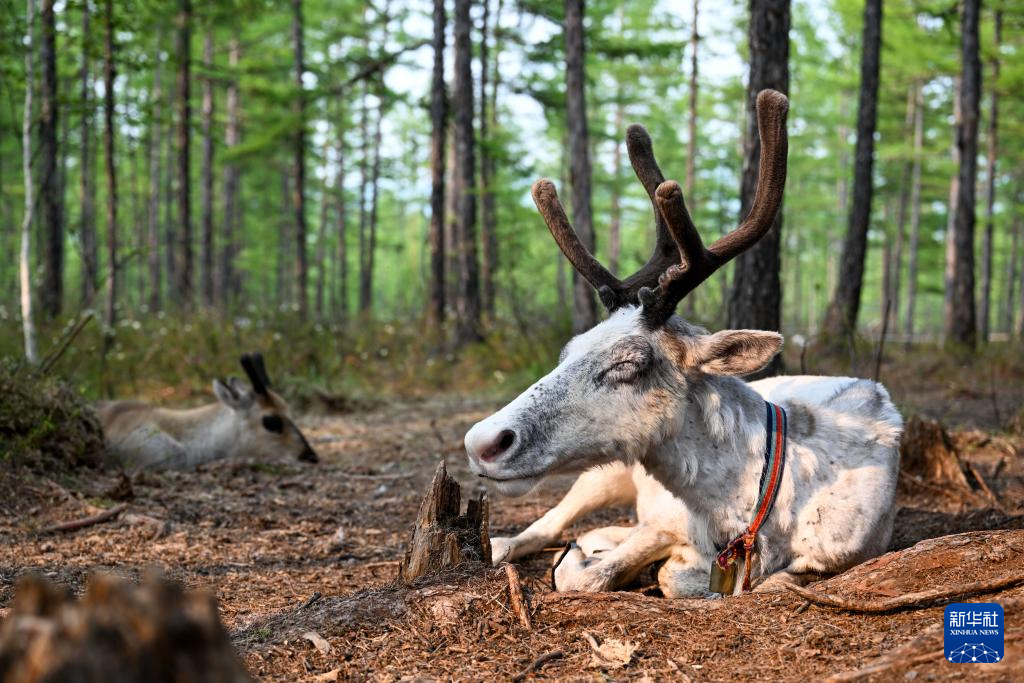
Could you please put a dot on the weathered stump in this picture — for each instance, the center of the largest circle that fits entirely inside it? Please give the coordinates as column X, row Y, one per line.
column 929, row 457
column 442, row 537
column 117, row 633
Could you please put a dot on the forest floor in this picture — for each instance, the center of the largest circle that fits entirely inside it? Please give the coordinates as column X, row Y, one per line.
column 303, row 559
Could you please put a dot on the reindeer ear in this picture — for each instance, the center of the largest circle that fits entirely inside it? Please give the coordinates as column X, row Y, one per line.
column 735, row 352
column 225, row 394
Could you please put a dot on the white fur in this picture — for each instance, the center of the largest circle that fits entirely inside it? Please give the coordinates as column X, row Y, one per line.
column 693, row 476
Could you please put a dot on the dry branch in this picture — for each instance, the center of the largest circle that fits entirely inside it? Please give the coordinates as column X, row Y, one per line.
column 910, row 600
column 516, row 597
column 536, row 664
column 76, row 524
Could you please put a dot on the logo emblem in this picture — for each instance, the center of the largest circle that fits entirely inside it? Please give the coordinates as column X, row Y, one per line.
column 974, row 633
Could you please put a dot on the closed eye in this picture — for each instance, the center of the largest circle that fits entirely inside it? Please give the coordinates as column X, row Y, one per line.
column 622, row 372
column 273, row 423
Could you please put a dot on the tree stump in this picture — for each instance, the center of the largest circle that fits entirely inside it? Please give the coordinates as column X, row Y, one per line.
column 117, row 633
column 442, row 537
column 928, row 456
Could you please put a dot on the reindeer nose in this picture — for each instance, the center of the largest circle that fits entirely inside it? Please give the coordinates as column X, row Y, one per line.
column 500, row 445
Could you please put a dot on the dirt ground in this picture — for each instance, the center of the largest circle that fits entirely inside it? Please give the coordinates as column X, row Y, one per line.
column 302, row 559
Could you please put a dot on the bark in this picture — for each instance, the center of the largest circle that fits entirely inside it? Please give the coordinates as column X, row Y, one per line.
column 468, row 329
column 138, row 221
column 1011, row 275
column 961, row 326
column 321, row 236
column 206, row 177
column 50, row 196
column 87, row 226
column 299, row 202
column 342, row 226
column 153, row 217
column 170, row 229
column 615, row 221
column 915, row 210
column 110, row 315
column 451, row 240
column 488, row 227
column 584, row 311
column 896, row 287
column 183, row 137
column 366, row 290
column 691, row 142
column 954, row 197
column 438, row 139
column 990, row 186
column 232, row 137
column 24, row 266
column 364, row 184
column 756, row 298
column 841, row 319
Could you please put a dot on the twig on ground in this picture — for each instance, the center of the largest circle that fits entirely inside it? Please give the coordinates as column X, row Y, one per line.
column 910, row 600
column 76, row 524
column 516, row 597
column 378, row 477
column 803, row 607
column 536, row 664
column 312, row 599
column 881, row 339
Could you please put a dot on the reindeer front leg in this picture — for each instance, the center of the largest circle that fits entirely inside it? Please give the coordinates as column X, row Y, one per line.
column 594, row 489
column 642, row 546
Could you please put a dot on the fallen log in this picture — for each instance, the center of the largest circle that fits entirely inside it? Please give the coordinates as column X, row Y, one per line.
column 76, row 524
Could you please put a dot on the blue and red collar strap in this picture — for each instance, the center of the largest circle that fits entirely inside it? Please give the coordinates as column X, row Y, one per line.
column 771, row 477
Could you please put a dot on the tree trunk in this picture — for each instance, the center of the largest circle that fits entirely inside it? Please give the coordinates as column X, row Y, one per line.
column 892, row 294
column 342, row 227
column 110, row 316
column 691, row 142
column 321, row 235
column 1011, row 275
column 232, row 138
column 615, row 221
column 184, row 131
column 283, row 292
column 990, row 186
column 489, row 236
column 364, row 184
column 915, row 209
column 584, row 315
column 301, row 265
column 756, row 298
column 961, row 326
column 451, row 232
column 206, row 176
column 170, row 228
column 87, row 227
column 24, row 266
column 50, row 197
column 153, row 217
column 841, row 319
column 374, row 204
column 438, row 139
column 468, row 329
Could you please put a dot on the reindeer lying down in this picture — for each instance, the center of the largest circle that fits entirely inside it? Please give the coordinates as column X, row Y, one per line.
column 247, row 420
column 657, row 403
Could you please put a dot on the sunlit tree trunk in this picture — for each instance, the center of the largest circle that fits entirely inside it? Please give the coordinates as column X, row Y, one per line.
column 320, row 256
column 50, row 195
column 990, row 185
column 915, row 210
column 301, row 264
column 184, row 132
column 438, row 140
column 584, row 306
column 108, row 150
column 691, row 142
column 961, row 326
column 232, row 137
column 87, row 188
column 153, row 213
column 170, row 229
column 1011, row 275
column 488, row 227
column 468, row 327
column 342, row 227
column 24, row 265
column 756, row 298
column 206, row 176
column 615, row 220
column 841, row 318
column 364, row 186
column 894, row 291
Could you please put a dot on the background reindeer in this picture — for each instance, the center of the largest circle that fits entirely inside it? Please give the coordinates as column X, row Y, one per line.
column 646, row 387
column 250, row 420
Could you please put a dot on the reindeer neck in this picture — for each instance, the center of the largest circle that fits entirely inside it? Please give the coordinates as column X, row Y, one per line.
column 713, row 458
column 205, row 430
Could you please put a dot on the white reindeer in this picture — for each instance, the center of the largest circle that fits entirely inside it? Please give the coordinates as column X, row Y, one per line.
column 246, row 421
column 656, row 403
